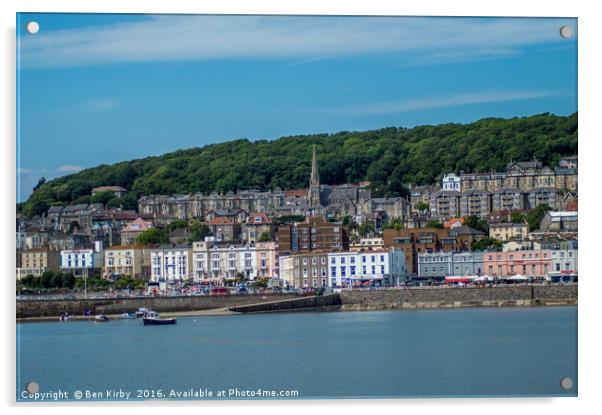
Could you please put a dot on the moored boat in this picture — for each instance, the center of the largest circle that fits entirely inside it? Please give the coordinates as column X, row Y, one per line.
column 151, row 318
column 65, row 317
column 101, row 318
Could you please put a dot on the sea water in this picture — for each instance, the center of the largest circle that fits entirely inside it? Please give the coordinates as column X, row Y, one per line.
column 381, row 354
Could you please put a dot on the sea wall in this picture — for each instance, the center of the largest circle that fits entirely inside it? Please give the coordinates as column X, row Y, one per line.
column 36, row 308
column 310, row 303
column 445, row 297
column 356, row 300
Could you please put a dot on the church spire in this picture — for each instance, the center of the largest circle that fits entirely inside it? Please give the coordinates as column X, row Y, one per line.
column 314, row 181
column 315, row 176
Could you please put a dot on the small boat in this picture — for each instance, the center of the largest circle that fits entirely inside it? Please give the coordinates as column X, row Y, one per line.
column 126, row 316
column 101, row 318
column 151, row 318
column 65, row 317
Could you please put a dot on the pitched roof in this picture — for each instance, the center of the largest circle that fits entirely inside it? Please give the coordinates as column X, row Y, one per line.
column 465, row 230
column 137, row 225
column 219, row 220
column 296, row 193
column 258, row 219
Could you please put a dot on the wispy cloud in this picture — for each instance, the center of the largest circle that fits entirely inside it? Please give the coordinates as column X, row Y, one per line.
column 69, row 168
column 302, row 39
column 461, row 56
column 103, row 104
column 441, row 102
column 91, row 105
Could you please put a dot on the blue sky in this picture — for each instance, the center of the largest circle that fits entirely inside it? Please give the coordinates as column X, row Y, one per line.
column 97, row 89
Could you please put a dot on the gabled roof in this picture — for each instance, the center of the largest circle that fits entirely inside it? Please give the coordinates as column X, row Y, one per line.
column 137, row 225
column 75, row 208
column 219, row 220
column 296, row 193
column 258, row 219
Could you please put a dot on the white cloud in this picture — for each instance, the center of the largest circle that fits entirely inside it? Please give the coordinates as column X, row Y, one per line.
column 69, row 168
column 103, row 104
column 164, row 38
column 441, row 102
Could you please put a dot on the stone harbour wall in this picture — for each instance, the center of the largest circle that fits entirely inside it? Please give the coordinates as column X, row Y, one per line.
column 35, row 308
column 446, row 297
column 310, row 303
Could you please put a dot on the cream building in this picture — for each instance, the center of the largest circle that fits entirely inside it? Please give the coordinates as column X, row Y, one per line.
column 131, row 260
column 509, row 231
column 36, row 261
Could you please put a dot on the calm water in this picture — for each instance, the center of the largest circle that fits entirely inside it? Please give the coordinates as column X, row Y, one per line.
column 486, row 351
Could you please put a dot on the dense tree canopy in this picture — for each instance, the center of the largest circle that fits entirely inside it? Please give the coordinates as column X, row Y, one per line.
column 389, row 158
column 153, row 236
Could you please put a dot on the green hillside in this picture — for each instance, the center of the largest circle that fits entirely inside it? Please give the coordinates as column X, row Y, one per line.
column 389, row 158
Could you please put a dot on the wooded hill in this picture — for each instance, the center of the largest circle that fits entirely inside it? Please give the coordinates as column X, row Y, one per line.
column 390, row 158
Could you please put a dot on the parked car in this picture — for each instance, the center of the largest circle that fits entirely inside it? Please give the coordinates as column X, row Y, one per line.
column 219, row 291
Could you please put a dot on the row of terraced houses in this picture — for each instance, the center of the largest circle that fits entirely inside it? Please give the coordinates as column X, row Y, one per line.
column 249, row 240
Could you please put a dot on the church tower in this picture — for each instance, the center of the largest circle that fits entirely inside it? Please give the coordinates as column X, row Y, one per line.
column 314, row 181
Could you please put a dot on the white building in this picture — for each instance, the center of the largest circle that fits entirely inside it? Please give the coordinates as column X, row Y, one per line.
column 564, row 259
column 81, row 262
column 451, row 182
column 286, row 266
column 348, row 268
column 216, row 262
column 171, row 263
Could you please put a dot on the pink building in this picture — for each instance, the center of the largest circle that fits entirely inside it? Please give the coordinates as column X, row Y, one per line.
column 529, row 263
